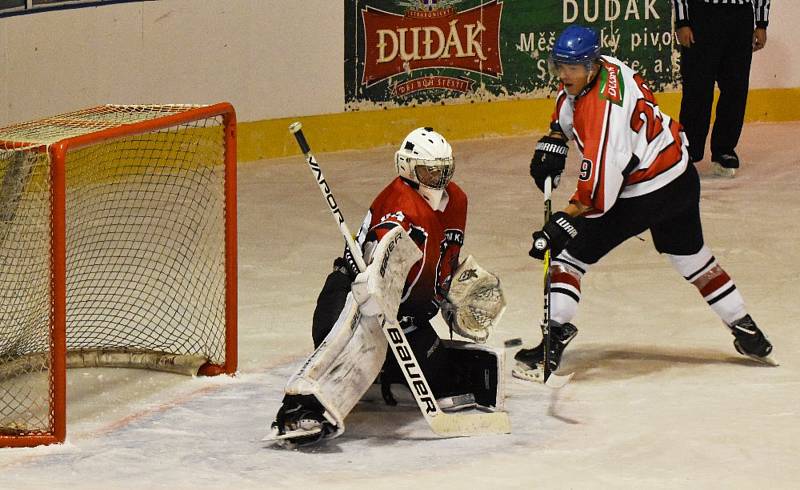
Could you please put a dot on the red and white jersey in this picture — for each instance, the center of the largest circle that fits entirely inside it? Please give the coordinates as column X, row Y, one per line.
column 439, row 235
column 629, row 147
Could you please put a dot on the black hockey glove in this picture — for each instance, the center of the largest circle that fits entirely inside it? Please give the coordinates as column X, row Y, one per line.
column 555, row 234
column 548, row 160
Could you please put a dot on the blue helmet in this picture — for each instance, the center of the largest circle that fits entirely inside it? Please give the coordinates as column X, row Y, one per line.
column 576, row 45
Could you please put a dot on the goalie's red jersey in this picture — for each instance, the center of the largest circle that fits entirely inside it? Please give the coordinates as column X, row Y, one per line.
column 438, row 234
column 629, row 147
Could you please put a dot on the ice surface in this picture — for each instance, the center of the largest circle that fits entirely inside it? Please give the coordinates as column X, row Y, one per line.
column 660, row 399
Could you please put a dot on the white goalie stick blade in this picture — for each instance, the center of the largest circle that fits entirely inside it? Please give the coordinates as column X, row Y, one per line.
column 470, row 424
column 557, row 381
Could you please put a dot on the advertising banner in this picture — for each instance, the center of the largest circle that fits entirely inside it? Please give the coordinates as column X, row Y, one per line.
column 411, row 52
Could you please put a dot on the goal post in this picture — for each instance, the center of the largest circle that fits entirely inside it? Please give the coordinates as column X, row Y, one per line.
column 117, row 249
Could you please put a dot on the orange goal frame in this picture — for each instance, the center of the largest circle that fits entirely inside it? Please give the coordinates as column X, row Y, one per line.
column 58, row 294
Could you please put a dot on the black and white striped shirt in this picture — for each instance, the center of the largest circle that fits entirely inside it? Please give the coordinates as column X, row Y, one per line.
column 683, row 17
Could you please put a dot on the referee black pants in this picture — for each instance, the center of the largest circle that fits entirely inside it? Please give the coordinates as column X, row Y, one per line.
column 722, row 53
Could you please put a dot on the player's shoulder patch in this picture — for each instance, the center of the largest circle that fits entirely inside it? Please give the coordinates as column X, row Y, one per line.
column 612, row 86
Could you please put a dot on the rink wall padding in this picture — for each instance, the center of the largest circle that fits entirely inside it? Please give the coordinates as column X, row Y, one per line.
column 369, row 129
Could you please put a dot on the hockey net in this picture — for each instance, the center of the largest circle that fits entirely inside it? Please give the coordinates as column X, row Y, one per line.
column 117, row 248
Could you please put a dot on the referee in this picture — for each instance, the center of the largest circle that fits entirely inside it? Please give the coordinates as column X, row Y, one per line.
column 718, row 38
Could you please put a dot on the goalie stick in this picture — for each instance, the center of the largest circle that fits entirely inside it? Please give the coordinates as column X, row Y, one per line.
column 550, row 379
column 442, row 424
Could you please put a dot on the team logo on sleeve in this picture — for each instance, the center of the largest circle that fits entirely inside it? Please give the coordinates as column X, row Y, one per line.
column 586, row 169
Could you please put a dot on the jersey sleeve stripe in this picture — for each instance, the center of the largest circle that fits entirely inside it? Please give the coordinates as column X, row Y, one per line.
column 598, row 188
column 578, row 140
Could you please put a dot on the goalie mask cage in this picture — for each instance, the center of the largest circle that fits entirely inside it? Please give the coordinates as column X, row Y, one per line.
column 117, row 248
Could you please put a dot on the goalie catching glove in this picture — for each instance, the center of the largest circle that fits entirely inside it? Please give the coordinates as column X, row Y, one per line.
column 475, row 301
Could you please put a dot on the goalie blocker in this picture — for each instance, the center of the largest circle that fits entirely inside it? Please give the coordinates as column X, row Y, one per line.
column 350, row 358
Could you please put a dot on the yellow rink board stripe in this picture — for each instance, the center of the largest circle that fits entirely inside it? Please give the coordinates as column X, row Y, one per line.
column 369, row 129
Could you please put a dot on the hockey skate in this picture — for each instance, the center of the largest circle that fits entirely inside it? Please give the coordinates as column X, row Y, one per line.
column 750, row 341
column 530, row 362
column 300, row 422
column 725, row 165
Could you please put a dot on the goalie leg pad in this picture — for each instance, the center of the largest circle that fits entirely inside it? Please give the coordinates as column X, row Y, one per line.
column 431, row 356
column 350, row 357
column 379, row 289
column 479, row 369
column 461, row 374
column 344, row 365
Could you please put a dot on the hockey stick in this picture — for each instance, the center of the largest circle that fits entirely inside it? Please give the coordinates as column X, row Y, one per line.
column 550, row 379
column 443, row 424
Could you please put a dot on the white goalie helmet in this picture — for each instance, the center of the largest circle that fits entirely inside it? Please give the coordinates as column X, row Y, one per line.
column 426, row 159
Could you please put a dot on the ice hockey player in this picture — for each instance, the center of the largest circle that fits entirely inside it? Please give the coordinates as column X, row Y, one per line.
column 633, row 176
column 421, row 207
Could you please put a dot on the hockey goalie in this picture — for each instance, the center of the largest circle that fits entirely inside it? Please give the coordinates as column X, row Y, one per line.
column 411, row 239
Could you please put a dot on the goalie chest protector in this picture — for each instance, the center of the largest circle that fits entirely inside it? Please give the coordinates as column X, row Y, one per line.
column 438, row 234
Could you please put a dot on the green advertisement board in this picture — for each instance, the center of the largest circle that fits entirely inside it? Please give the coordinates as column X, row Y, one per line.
column 412, row 52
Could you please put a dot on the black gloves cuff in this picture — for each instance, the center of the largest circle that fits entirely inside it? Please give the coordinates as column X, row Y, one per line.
column 554, row 235
column 563, row 222
column 345, row 266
